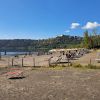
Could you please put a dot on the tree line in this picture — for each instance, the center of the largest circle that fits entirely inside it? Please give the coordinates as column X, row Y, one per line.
column 64, row 41
column 91, row 40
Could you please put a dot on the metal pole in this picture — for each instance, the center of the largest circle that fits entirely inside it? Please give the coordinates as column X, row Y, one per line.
column 5, row 53
column 0, row 55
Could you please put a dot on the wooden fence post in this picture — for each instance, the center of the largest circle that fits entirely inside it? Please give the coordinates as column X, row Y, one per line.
column 68, row 62
column 12, row 62
column 22, row 62
column 34, row 62
column 90, row 61
column 8, row 62
column 49, row 61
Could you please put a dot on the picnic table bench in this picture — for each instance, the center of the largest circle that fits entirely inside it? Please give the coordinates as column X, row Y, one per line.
column 14, row 74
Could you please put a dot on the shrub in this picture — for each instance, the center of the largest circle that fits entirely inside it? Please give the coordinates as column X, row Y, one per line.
column 77, row 66
column 63, row 65
column 92, row 66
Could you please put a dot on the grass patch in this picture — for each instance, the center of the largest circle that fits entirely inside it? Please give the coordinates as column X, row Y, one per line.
column 61, row 67
column 37, row 68
column 77, row 66
column 57, row 67
column 90, row 66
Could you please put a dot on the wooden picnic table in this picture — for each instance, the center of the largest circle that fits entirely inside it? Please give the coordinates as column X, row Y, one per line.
column 14, row 74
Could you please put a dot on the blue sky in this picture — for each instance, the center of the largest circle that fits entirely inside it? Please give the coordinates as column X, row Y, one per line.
column 35, row 19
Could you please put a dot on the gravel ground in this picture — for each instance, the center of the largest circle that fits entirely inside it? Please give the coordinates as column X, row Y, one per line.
column 47, row 84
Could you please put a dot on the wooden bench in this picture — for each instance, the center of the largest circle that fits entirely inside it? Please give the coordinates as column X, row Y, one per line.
column 14, row 74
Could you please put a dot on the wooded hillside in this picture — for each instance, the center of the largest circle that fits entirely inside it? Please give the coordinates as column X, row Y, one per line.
column 64, row 41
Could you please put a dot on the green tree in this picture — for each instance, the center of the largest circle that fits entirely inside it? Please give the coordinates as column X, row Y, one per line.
column 91, row 41
column 86, row 39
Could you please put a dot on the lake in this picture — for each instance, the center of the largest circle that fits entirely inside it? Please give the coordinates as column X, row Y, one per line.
column 16, row 53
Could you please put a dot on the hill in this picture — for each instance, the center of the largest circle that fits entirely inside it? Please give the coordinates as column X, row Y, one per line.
column 64, row 41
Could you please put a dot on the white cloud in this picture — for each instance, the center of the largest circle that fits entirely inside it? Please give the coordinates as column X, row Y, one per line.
column 91, row 25
column 74, row 25
column 67, row 31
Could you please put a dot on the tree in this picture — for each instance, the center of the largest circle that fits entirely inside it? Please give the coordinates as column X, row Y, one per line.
column 91, row 41
column 86, row 39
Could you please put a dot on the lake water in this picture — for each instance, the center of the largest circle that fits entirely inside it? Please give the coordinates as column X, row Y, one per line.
column 16, row 53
